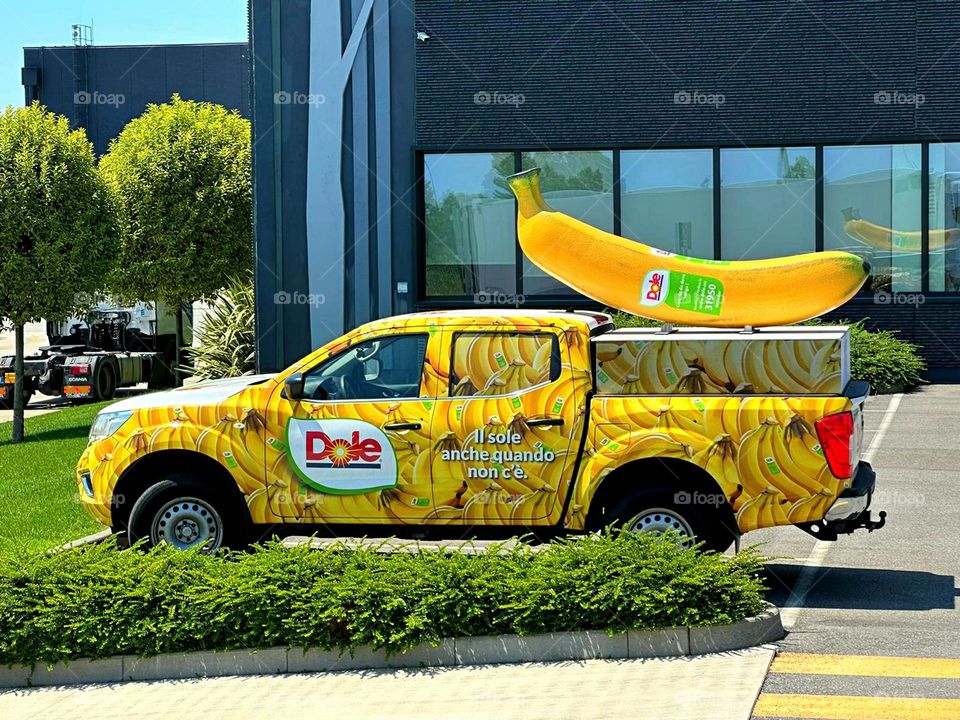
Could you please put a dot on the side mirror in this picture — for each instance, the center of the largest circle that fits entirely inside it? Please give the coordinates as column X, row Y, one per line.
column 293, row 387
column 371, row 369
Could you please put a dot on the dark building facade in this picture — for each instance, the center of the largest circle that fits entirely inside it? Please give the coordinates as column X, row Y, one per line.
column 729, row 130
column 102, row 88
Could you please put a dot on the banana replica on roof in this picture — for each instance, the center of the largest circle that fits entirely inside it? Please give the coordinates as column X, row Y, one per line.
column 673, row 288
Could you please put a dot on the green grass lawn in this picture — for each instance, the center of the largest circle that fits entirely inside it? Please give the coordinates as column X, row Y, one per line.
column 39, row 507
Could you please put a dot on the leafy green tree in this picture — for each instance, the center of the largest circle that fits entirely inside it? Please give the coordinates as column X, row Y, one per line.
column 181, row 175
column 58, row 230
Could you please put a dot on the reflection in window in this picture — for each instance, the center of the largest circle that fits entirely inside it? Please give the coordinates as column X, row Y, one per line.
column 768, row 202
column 470, row 224
column 871, row 207
column 945, row 217
column 386, row 367
column 579, row 184
column 667, row 199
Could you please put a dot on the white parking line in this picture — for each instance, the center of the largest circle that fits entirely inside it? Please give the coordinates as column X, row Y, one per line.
column 791, row 610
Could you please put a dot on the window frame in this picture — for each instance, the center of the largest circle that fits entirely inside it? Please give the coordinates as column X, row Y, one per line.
column 556, row 361
column 575, row 300
column 360, row 341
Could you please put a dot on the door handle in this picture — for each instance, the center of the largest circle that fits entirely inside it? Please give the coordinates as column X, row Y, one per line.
column 544, row 422
column 403, row 426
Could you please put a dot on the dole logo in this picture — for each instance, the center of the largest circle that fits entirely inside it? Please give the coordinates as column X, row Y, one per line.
column 324, row 451
column 341, row 456
column 655, row 287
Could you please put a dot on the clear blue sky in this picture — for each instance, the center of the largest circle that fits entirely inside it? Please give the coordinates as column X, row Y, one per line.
column 115, row 22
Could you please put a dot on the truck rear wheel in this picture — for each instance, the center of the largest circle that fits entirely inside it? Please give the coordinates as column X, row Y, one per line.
column 183, row 513
column 660, row 511
column 104, row 382
column 7, row 403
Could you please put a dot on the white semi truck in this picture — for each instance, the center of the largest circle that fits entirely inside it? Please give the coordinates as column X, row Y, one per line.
column 89, row 357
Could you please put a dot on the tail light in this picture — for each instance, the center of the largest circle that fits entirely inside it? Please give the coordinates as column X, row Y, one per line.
column 835, row 433
column 79, row 369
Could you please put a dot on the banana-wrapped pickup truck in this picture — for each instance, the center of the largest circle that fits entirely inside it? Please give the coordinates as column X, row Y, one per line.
column 487, row 422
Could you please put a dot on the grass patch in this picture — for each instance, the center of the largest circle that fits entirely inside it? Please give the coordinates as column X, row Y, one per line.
column 38, row 495
column 96, row 601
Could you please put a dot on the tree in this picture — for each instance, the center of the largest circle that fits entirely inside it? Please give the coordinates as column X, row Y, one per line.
column 58, row 231
column 181, row 176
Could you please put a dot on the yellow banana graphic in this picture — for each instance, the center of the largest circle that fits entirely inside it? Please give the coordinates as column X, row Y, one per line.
column 675, row 288
column 764, row 510
column 720, row 460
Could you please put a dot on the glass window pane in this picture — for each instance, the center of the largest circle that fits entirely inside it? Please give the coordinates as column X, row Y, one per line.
column 871, row 207
column 945, row 217
column 387, row 367
column 579, row 184
column 470, row 223
column 666, row 199
column 768, row 202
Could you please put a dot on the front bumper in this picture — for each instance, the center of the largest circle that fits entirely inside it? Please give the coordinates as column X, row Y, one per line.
column 851, row 511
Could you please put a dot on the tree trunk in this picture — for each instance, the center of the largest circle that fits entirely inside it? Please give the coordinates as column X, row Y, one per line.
column 18, row 385
column 177, row 355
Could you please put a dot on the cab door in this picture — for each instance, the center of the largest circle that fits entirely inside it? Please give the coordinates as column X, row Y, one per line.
column 354, row 439
column 506, row 429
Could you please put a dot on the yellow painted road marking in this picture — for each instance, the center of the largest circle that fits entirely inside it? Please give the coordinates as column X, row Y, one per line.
column 854, row 707
column 866, row 665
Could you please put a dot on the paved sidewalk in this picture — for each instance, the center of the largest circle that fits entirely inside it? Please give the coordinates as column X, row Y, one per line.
column 706, row 687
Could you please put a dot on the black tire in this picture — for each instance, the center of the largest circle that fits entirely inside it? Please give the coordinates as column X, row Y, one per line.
column 7, row 403
column 193, row 507
column 104, row 383
column 711, row 524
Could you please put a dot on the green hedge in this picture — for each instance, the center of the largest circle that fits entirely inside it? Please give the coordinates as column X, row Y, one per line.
column 98, row 601
column 877, row 356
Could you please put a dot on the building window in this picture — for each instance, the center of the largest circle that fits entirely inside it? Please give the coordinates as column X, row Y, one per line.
column 579, row 184
column 871, row 207
column 470, row 223
column 667, row 199
column 768, row 202
column 944, row 275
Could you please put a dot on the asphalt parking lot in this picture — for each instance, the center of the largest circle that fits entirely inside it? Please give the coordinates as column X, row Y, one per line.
column 891, row 593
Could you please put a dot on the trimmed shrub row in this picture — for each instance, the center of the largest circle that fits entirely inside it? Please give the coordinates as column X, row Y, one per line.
column 99, row 601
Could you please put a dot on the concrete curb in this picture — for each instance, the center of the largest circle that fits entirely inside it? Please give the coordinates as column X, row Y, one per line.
column 86, row 540
column 553, row 647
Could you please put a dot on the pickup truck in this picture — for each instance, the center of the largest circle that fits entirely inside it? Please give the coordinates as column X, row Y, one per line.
column 462, row 422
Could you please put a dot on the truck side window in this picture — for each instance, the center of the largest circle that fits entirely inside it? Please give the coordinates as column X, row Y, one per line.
column 385, row 367
column 499, row 363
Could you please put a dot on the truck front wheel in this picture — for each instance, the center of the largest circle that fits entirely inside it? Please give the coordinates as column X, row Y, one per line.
column 659, row 512
column 180, row 512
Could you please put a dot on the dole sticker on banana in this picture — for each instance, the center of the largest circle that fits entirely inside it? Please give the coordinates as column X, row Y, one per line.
column 683, row 291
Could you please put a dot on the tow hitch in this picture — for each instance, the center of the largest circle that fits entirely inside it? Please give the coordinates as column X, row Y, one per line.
column 830, row 529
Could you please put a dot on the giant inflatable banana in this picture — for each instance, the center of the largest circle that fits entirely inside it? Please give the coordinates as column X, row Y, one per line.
column 646, row 281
